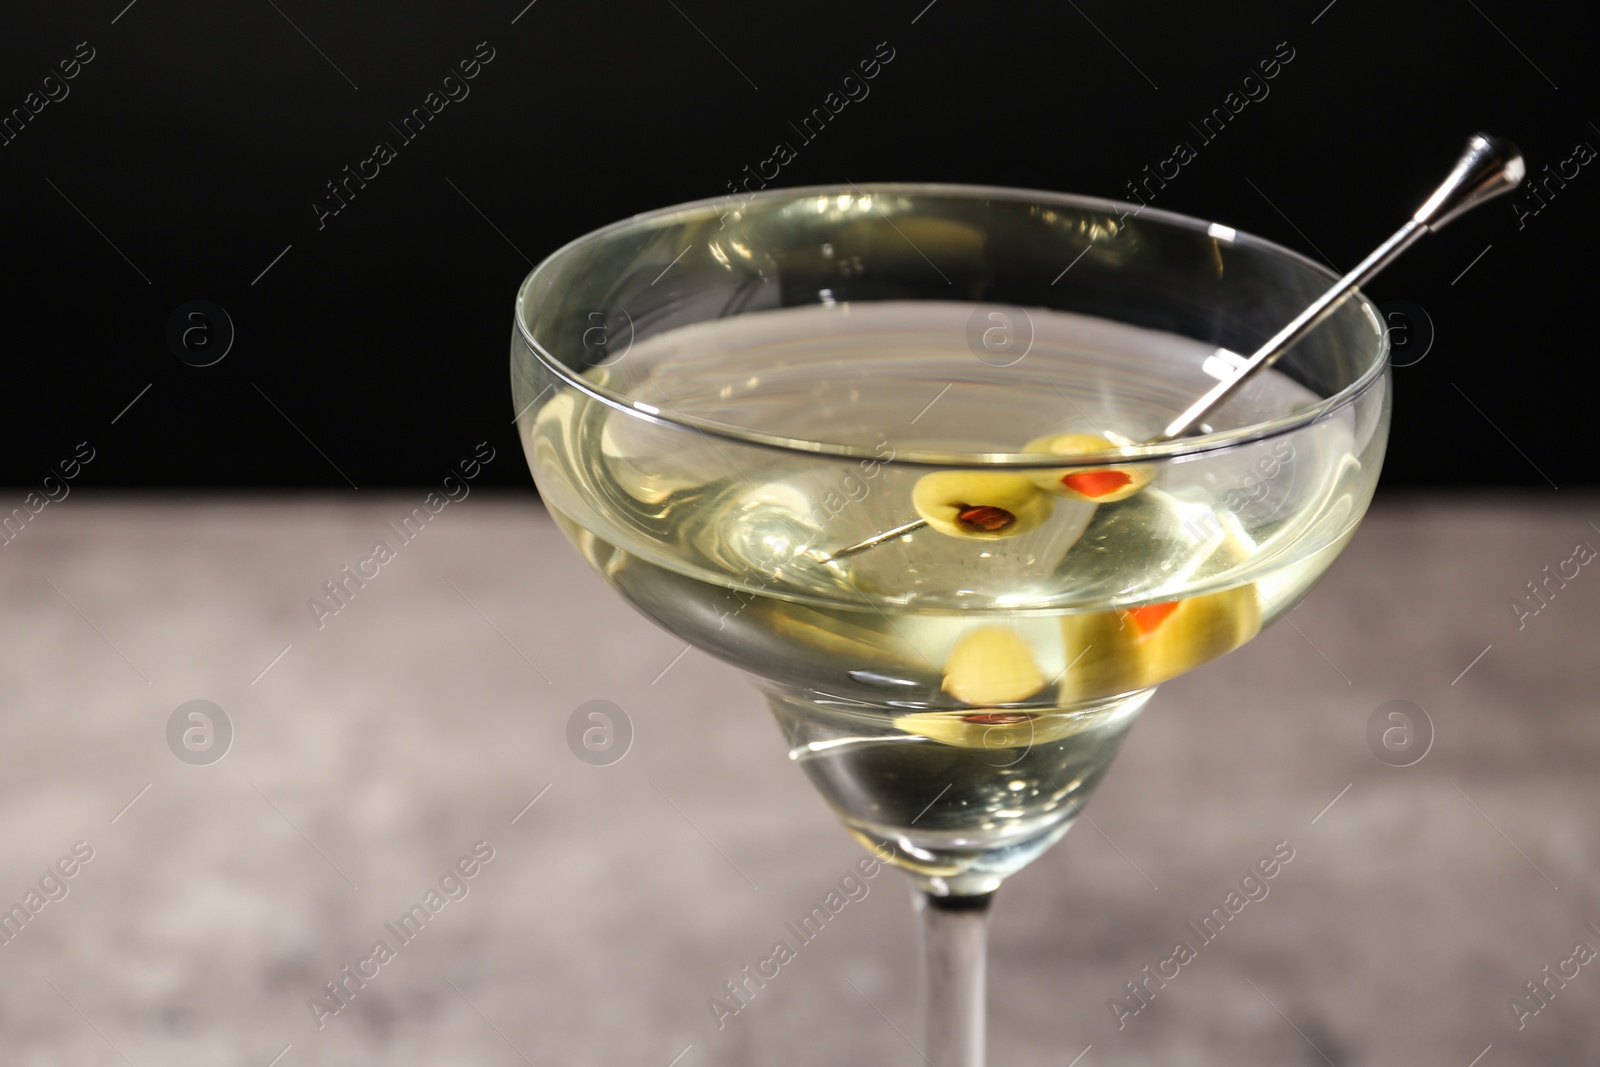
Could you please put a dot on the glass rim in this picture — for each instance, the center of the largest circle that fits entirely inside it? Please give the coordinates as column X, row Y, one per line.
column 1183, row 446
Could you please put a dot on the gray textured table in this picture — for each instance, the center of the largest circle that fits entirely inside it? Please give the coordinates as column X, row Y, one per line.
column 371, row 755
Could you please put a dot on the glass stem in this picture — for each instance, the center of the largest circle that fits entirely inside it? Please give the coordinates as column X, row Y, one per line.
column 955, row 935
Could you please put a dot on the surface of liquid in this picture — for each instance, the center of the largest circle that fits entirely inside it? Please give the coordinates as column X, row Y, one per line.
column 954, row 699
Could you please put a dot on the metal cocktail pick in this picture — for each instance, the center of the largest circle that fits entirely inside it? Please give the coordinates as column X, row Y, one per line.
column 1489, row 167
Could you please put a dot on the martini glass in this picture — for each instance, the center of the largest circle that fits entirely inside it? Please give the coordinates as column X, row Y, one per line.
column 716, row 399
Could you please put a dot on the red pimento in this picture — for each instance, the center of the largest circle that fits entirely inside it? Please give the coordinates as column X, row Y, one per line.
column 1151, row 616
column 1096, row 483
column 997, row 718
column 984, row 517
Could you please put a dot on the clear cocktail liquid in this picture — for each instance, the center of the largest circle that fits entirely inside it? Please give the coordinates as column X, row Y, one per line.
column 903, row 675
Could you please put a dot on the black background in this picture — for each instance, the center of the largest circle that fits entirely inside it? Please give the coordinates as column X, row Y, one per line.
column 193, row 145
